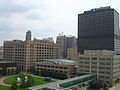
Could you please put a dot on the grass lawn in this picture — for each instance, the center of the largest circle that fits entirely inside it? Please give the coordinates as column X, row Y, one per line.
column 38, row 81
column 8, row 88
column 4, row 88
column 10, row 80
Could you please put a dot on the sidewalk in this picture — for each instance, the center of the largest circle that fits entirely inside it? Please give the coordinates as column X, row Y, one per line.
column 2, row 79
column 116, row 87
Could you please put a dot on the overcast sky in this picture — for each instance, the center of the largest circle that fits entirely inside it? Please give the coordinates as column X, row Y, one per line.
column 45, row 18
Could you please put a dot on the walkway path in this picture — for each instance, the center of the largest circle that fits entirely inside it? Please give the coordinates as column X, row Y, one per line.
column 2, row 79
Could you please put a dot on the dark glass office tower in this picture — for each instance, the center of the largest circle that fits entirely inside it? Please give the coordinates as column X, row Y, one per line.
column 28, row 35
column 98, row 29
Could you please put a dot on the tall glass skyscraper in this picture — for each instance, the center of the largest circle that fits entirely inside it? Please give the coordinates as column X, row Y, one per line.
column 98, row 29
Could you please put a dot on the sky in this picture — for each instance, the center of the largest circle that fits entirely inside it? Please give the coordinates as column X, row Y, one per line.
column 45, row 18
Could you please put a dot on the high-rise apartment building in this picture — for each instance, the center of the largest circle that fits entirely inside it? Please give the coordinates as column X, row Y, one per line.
column 71, row 42
column 61, row 41
column 1, row 52
column 72, row 53
column 105, row 64
column 28, row 35
column 27, row 53
column 66, row 42
column 98, row 29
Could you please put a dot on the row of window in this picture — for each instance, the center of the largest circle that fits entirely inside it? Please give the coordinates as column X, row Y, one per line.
column 94, row 67
column 95, row 71
column 95, row 58
column 53, row 66
column 98, row 63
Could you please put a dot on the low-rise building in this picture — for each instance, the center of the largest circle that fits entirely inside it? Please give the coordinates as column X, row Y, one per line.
column 105, row 64
column 7, row 67
column 67, row 67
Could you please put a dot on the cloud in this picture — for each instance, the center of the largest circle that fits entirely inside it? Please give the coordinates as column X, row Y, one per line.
column 44, row 17
column 35, row 14
column 7, row 7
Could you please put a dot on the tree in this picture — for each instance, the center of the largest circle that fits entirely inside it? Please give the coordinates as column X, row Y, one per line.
column 14, row 86
column 4, row 71
column 23, row 84
column 32, row 70
column 37, row 72
column 21, row 75
column 12, row 71
column 0, row 72
column 96, row 85
column 17, row 71
column 30, row 81
column 8, row 72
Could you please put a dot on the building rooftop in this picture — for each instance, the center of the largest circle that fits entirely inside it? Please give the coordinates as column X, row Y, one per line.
column 60, row 61
column 101, row 9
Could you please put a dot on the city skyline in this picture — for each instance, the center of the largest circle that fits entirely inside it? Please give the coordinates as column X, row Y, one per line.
column 43, row 17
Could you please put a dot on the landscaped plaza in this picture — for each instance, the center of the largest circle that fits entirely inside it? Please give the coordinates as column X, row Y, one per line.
column 21, row 82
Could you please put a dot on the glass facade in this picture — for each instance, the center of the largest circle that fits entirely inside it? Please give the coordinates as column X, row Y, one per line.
column 98, row 29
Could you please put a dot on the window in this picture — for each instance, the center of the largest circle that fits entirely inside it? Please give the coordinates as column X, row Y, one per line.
column 94, row 62
column 81, row 66
column 81, row 62
column 65, row 68
column 94, row 58
column 101, row 76
column 102, row 72
column 108, row 68
column 108, row 63
column 86, row 70
column 84, row 58
column 94, row 71
column 86, row 66
column 102, row 59
column 87, row 62
column 94, row 67
column 107, row 77
column 108, row 59
column 101, row 67
column 108, row 72
column 102, row 63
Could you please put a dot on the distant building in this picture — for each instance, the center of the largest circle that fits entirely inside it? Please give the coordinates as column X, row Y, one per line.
column 28, row 35
column 72, row 53
column 27, row 53
column 105, row 64
column 98, row 29
column 66, row 42
column 61, row 41
column 49, row 39
column 71, row 42
column 1, row 52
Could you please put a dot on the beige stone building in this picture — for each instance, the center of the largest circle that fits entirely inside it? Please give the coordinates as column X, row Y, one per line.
column 27, row 53
column 72, row 53
column 105, row 64
column 67, row 67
